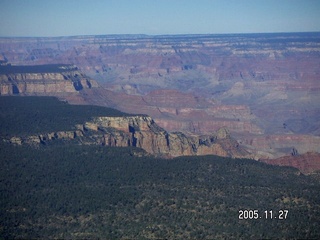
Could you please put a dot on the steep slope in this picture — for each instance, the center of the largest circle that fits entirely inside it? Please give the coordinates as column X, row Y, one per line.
column 42, row 79
column 306, row 163
column 263, row 87
column 204, row 117
column 101, row 129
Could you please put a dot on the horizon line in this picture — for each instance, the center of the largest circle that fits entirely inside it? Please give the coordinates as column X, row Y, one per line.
column 159, row 35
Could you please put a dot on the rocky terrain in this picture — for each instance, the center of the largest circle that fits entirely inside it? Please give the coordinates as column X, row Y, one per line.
column 264, row 88
column 306, row 163
column 42, row 79
column 142, row 132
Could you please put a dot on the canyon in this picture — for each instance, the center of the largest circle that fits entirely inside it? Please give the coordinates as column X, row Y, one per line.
column 263, row 88
column 307, row 163
column 42, row 79
column 142, row 132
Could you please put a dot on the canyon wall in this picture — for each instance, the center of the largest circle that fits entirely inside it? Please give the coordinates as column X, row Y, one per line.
column 264, row 88
column 42, row 79
column 143, row 132
column 307, row 163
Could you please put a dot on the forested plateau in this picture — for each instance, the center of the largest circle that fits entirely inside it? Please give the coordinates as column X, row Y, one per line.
column 63, row 189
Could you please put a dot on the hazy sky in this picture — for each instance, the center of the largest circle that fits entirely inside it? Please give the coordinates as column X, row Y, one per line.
column 90, row 17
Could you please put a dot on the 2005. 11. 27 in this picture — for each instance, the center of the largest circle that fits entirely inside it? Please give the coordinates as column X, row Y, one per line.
column 266, row 214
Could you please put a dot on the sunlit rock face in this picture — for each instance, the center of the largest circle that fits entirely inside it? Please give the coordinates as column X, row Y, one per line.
column 142, row 132
column 139, row 63
column 259, row 86
column 42, row 79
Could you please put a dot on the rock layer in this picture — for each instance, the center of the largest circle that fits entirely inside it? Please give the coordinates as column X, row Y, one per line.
column 143, row 132
column 306, row 163
column 259, row 86
column 56, row 79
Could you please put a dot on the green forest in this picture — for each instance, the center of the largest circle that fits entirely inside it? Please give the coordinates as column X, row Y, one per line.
column 89, row 191
column 46, row 68
column 33, row 115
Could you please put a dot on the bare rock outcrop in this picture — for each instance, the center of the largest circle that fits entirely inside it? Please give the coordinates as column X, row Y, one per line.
column 45, row 137
column 43, row 79
column 142, row 132
column 259, row 86
column 306, row 163
column 275, row 146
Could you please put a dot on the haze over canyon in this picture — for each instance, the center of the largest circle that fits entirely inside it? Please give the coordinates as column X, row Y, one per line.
column 262, row 89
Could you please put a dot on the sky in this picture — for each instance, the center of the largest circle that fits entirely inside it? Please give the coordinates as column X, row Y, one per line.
column 44, row 18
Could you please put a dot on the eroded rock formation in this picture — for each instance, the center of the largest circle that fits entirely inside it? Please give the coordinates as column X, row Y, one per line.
column 306, row 163
column 42, row 79
column 263, row 87
column 143, row 132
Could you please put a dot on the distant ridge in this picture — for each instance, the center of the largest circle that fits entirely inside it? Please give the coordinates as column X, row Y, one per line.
column 146, row 36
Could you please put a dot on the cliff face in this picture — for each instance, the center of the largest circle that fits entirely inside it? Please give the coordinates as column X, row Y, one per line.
column 143, row 132
column 267, row 132
column 275, row 146
column 260, row 57
column 306, row 163
column 33, row 80
column 259, row 86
